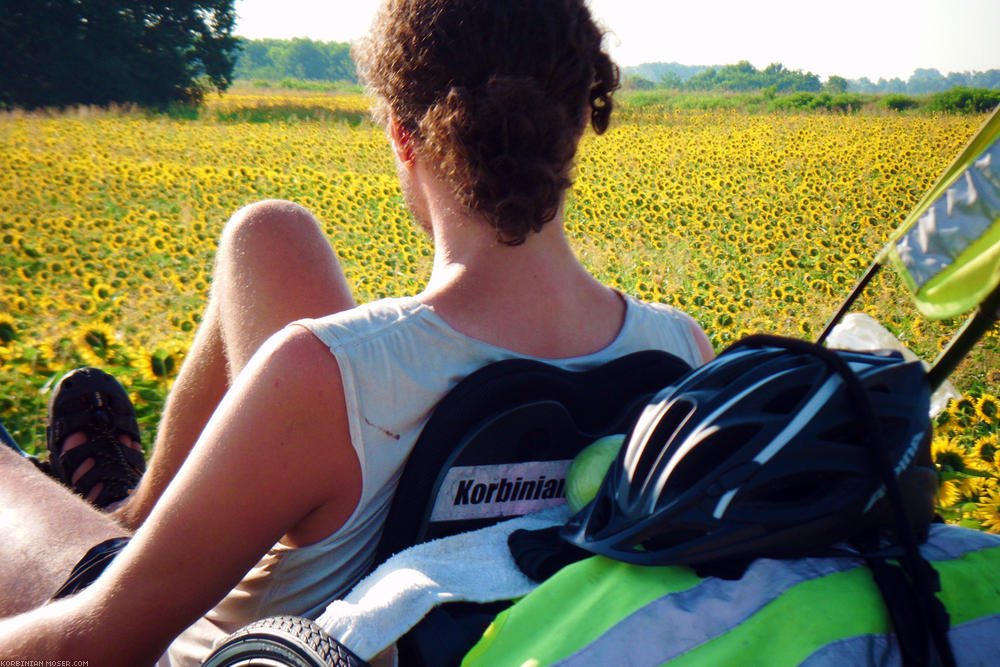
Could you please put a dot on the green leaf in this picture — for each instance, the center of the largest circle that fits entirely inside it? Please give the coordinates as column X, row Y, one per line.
column 948, row 474
column 150, row 395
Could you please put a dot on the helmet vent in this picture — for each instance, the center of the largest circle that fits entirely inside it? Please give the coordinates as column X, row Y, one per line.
column 786, row 401
column 801, row 489
column 601, row 512
column 845, row 433
column 664, row 431
column 672, row 537
column 713, row 453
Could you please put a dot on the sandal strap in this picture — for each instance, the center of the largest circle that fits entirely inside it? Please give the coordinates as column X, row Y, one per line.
column 93, row 403
column 85, row 412
column 113, row 461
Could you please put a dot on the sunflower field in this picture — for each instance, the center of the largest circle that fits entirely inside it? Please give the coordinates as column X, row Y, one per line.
column 751, row 223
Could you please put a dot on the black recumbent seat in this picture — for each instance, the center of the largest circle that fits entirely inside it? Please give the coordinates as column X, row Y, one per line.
column 499, row 443
column 497, row 446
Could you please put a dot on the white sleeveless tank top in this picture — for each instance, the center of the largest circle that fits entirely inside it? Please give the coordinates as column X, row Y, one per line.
column 397, row 359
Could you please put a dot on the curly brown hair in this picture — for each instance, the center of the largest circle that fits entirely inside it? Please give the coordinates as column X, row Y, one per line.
column 496, row 94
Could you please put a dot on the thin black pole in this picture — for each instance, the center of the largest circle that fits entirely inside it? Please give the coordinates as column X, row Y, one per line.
column 975, row 327
column 851, row 298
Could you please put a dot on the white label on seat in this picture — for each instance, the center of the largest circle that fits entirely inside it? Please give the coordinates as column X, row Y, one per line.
column 507, row 489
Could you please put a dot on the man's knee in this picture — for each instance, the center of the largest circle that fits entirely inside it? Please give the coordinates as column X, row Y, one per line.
column 268, row 224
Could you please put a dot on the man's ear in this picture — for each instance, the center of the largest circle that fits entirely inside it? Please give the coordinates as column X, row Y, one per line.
column 402, row 142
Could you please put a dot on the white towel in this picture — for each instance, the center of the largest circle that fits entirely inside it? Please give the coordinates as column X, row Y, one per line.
column 475, row 566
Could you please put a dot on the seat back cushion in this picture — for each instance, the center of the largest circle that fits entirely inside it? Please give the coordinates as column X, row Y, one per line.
column 499, row 444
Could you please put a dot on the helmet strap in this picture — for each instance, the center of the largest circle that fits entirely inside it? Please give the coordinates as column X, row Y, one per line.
column 920, row 577
column 919, row 619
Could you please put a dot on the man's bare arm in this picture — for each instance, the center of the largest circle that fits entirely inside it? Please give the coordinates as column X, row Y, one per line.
column 275, row 458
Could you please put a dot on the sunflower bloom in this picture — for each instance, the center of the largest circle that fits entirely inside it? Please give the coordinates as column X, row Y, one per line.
column 7, row 328
column 93, row 343
column 988, row 511
column 988, row 408
column 986, row 448
column 949, row 455
column 948, row 494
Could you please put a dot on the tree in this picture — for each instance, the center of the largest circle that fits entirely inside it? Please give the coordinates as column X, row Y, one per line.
column 149, row 52
column 836, row 85
column 671, row 80
column 863, row 85
column 304, row 59
column 340, row 65
column 636, row 82
column 743, row 76
column 927, row 80
column 298, row 58
column 255, row 61
column 987, row 79
column 893, row 85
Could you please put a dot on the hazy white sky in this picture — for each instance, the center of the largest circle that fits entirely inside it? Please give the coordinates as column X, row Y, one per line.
column 851, row 38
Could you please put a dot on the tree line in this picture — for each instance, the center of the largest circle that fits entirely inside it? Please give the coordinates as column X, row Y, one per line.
column 924, row 81
column 300, row 58
column 155, row 53
column 304, row 59
column 744, row 77
column 59, row 53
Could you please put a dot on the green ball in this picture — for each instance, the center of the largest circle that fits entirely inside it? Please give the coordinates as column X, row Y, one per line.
column 588, row 469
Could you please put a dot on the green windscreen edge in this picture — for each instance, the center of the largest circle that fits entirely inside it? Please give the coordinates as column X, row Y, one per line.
column 976, row 270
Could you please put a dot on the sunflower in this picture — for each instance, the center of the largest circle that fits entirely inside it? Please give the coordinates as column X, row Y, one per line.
column 988, row 511
column 45, row 355
column 94, row 342
column 949, row 457
column 140, row 359
column 7, row 330
column 963, row 410
column 161, row 364
column 986, row 448
column 101, row 291
column 988, row 408
column 946, row 424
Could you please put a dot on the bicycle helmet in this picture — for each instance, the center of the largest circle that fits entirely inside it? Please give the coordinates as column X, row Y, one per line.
column 770, row 450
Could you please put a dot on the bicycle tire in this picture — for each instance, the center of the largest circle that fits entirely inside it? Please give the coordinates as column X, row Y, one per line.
column 282, row 641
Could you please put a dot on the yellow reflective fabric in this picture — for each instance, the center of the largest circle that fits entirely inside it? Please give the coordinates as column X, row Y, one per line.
column 575, row 607
column 780, row 613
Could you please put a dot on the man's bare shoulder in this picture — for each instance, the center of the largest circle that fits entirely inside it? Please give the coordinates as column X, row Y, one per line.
column 293, row 379
column 296, row 344
column 298, row 371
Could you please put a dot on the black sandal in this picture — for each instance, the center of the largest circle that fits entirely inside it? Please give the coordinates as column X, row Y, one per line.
column 89, row 400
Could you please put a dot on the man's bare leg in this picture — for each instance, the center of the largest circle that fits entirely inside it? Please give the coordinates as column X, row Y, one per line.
column 46, row 530
column 273, row 266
